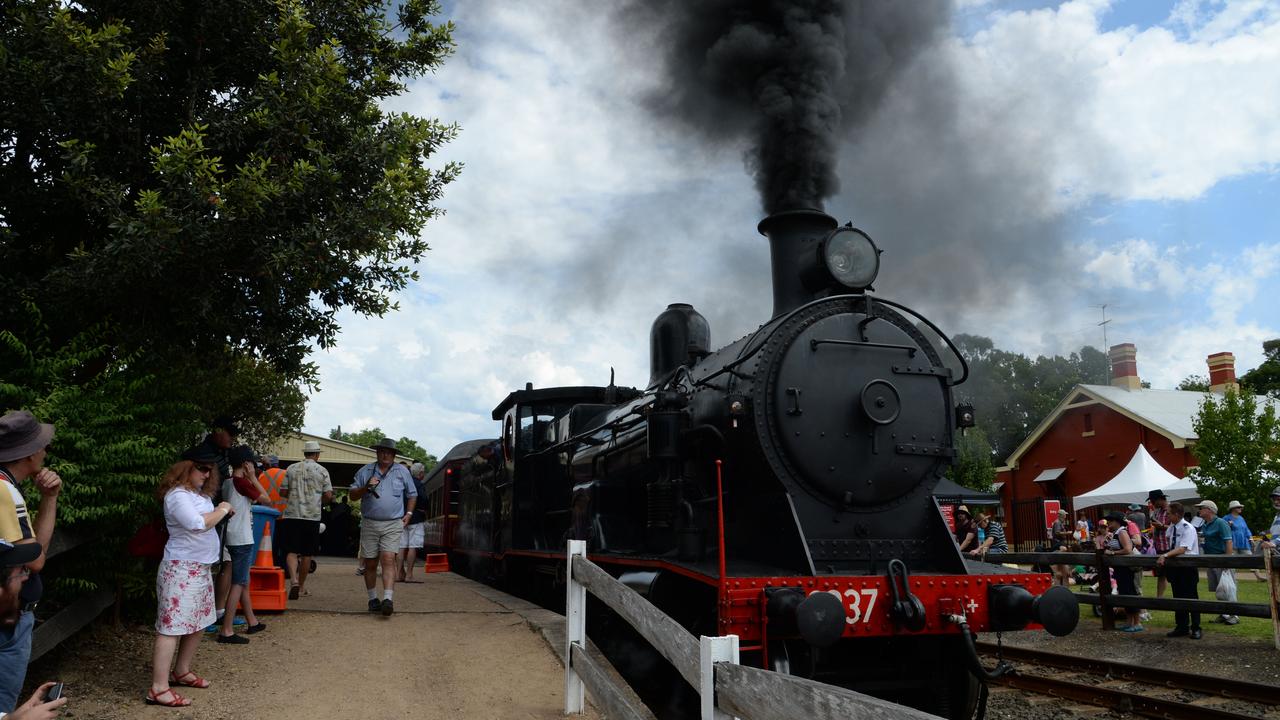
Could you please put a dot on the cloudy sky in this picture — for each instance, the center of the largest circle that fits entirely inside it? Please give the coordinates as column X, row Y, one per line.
column 1034, row 161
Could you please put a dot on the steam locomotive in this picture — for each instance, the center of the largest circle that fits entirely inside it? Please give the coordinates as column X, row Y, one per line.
column 778, row 488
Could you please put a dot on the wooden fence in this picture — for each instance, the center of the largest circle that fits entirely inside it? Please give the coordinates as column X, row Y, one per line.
column 1106, row 600
column 72, row 618
column 709, row 664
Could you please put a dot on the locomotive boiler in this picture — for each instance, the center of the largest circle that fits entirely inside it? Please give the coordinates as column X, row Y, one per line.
column 777, row 488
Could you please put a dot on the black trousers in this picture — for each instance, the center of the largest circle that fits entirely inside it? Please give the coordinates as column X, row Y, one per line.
column 1184, row 581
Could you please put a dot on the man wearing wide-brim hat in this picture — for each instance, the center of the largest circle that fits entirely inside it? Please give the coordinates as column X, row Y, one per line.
column 1160, row 520
column 23, row 445
column 387, row 498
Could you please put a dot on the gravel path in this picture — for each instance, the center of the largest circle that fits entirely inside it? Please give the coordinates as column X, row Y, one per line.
column 448, row 652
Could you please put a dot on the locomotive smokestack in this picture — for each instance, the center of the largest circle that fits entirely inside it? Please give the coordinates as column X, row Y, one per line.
column 794, row 240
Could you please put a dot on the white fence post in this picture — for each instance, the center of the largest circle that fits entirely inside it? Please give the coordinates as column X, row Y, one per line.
column 575, row 630
column 711, row 651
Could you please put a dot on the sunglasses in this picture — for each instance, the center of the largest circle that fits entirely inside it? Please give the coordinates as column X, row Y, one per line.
column 206, row 469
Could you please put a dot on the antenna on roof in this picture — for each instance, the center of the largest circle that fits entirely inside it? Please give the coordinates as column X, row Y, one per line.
column 1106, row 347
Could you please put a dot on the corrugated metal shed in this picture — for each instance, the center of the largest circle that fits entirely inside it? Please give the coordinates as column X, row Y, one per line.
column 289, row 450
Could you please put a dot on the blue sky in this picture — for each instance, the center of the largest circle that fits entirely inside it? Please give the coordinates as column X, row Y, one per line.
column 1092, row 152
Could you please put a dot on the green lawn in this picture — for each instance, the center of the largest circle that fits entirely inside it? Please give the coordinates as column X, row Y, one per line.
column 1250, row 591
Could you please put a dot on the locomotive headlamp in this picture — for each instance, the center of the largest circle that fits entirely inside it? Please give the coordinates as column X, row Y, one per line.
column 851, row 258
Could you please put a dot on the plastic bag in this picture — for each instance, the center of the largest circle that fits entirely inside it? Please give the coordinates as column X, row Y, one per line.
column 1226, row 591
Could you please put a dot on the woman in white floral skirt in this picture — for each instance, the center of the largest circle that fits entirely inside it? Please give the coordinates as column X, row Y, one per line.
column 184, row 586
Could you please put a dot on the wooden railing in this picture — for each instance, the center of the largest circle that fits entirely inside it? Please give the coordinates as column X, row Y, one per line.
column 708, row 664
column 1105, row 599
column 74, row 617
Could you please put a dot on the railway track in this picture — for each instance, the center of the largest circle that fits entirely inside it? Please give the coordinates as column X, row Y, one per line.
column 1092, row 693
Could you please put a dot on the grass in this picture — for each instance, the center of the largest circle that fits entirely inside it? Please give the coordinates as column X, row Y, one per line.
column 1250, row 591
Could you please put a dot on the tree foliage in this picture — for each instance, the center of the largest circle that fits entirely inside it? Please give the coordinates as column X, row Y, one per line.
column 222, row 170
column 404, row 446
column 1013, row 393
column 1265, row 379
column 189, row 194
column 973, row 467
column 1238, row 447
column 1194, row 383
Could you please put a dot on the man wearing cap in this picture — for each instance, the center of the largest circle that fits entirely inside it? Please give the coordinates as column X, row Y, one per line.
column 387, row 499
column 1160, row 522
column 1241, row 535
column 14, row 574
column 306, row 487
column 1217, row 541
column 23, row 445
column 1183, row 580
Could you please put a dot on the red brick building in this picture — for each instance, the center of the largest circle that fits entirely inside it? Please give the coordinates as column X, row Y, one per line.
column 1093, row 433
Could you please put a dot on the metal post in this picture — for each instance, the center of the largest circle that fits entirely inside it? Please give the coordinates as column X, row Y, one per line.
column 575, row 630
column 711, row 651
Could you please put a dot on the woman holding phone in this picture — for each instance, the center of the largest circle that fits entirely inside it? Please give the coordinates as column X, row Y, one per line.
column 184, row 586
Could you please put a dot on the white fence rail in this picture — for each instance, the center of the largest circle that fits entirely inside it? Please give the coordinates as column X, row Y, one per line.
column 709, row 665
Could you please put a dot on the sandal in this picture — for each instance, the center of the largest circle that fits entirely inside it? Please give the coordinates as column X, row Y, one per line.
column 175, row 700
column 188, row 679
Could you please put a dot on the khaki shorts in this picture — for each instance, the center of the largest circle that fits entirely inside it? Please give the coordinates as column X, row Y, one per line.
column 379, row 536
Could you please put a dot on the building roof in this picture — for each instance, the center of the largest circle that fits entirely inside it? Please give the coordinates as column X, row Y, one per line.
column 289, row 449
column 1168, row 412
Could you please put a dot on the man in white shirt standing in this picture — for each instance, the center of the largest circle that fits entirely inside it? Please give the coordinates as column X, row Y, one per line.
column 1184, row 580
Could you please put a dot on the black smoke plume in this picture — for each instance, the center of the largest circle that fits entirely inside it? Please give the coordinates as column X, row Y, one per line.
column 790, row 77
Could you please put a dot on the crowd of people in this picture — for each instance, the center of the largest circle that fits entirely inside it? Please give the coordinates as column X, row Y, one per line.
column 1167, row 529
column 203, row 576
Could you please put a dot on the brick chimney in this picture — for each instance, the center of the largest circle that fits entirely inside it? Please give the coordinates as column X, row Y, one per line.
column 1222, row 373
column 1124, row 366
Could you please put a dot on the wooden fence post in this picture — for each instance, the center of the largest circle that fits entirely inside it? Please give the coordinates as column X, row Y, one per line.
column 575, row 630
column 1104, row 591
column 1274, row 583
column 711, row 651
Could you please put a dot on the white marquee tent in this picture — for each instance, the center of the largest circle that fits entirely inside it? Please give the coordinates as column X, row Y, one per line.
column 1131, row 485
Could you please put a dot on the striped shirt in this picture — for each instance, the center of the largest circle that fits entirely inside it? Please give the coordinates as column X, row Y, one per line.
column 995, row 533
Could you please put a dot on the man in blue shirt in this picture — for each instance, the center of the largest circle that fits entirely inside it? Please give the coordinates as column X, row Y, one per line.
column 1241, row 535
column 387, row 498
column 1217, row 541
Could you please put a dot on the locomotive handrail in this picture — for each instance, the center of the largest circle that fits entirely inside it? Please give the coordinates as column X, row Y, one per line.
column 709, row 664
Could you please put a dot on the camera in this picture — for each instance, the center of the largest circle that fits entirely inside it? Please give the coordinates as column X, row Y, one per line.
column 53, row 693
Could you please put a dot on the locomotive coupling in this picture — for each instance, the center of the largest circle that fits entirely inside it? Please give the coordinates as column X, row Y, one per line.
column 1013, row 606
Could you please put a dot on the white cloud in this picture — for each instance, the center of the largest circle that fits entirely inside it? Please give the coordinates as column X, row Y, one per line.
column 1130, row 114
column 578, row 218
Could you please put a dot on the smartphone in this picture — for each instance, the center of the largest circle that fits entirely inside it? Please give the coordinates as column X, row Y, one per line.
column 54, row 693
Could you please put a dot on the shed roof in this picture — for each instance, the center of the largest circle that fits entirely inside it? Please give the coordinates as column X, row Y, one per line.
column 1168, row 412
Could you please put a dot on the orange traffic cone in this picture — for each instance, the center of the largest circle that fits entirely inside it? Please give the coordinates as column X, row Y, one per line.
column 436, row 562
column 266, row 581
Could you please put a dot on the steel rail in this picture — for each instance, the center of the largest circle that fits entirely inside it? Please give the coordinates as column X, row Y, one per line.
column 1172, row 679
column 1117, row 699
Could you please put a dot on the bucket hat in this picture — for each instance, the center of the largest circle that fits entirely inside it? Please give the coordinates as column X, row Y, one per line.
column 964, row 509
column 310, row 446
column 22, row 435
column 1233, row 505
column 385, row 444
